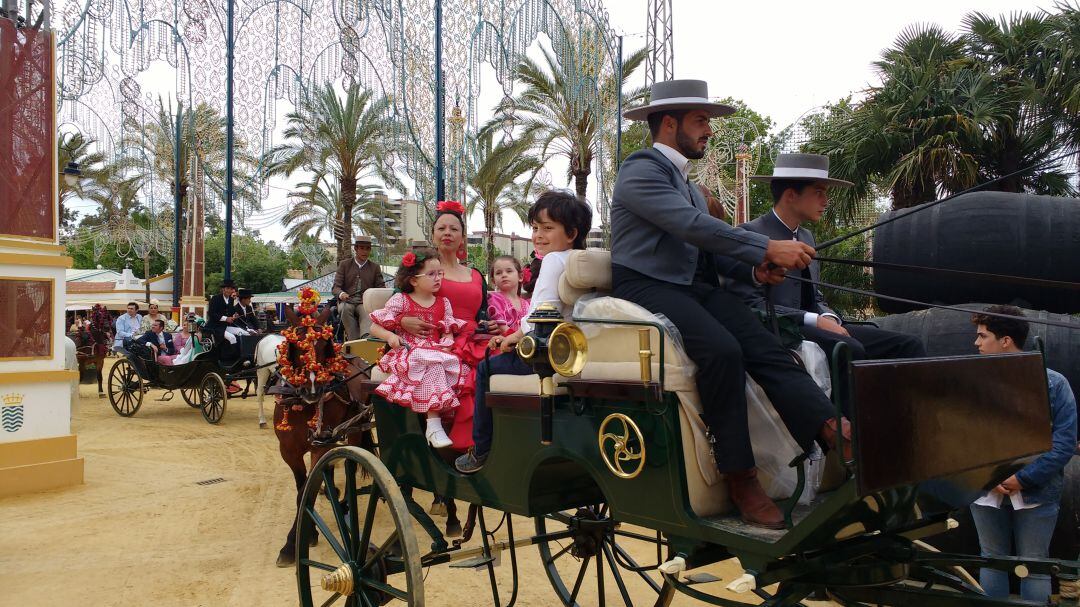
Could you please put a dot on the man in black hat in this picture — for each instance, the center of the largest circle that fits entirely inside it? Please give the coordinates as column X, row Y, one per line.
column 666, row 254
column 800, row 185
column 353, row 277
column 221, row 316
column 248, row 319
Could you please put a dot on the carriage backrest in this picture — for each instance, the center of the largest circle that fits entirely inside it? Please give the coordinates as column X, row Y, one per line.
column 375, row 299
column 586, row 271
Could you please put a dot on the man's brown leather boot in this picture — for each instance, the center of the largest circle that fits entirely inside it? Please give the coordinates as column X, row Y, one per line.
column 828, row 435
column 755, row 506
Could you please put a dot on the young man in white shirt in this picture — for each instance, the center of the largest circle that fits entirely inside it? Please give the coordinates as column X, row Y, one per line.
column 560, row 223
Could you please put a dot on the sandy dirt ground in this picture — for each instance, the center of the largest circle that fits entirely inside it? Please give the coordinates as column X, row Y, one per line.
column 142, row 531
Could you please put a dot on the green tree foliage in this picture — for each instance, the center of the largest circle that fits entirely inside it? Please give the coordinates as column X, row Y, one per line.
column 546, row 109
column 494, row 181
column 347, row 139
column 201, row 146
column 257, row 265
column 954, row 110
column 97, row 179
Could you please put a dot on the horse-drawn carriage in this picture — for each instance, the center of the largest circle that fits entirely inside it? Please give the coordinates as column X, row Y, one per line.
column 602, row 449
column 202, row 382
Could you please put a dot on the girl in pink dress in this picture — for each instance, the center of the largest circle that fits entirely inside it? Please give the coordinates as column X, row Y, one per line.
column 425, row 372
column 506, row 306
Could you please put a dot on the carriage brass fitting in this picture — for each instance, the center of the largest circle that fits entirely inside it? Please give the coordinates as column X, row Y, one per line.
column 339, row 581
column 645, row 354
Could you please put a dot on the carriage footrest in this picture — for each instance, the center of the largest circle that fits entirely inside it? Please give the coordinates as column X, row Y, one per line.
column 474, row 563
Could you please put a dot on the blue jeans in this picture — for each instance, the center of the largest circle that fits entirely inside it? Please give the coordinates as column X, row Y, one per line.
column 503, row 364
column 1030, row 529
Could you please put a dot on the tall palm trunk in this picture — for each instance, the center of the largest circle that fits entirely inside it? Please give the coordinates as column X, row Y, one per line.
column 348, row 201
column 581, row 169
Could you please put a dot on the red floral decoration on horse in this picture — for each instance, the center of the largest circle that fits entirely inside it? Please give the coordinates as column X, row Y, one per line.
column 304, row 333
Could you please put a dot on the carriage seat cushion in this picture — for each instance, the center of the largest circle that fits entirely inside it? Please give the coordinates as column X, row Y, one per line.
column 586, row 271
column 376, row 298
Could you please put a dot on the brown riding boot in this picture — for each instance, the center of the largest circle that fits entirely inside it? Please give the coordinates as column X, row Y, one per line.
column 755, row 506
column 827, row 435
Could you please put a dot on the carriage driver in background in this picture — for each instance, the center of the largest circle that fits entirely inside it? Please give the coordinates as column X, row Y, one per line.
column 248, row 319
column 354, row 276
column 667, row 253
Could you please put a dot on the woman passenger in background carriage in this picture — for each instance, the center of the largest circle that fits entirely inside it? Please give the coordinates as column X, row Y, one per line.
column 153, row 315
column 466, row 289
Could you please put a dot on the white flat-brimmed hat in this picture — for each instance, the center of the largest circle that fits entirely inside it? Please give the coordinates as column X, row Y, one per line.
column 807, row 167
column 679, row 95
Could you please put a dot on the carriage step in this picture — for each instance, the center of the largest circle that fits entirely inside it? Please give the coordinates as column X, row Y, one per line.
column 701, row 578
column 474, row 563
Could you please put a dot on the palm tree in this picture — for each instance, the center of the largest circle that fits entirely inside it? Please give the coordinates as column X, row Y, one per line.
column 202, row 141
column 96, row 173
column 951, row 111
column 549, row 108
column 348, row 139
column 316, row 210
column 494, row 181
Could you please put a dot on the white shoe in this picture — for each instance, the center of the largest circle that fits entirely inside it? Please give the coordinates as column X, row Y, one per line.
column 436, row 437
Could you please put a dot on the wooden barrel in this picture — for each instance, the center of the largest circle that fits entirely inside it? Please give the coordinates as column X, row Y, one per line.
column 949, row 333
column 992, row 232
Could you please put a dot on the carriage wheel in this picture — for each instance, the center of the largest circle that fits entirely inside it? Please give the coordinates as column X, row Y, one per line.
column 598, row 563
column 125, row 388
column 212, row 398
column 191, row 397
column 353, row 565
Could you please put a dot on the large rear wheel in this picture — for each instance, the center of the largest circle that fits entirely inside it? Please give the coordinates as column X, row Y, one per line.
column 125, row 388
column 599, row 563
column 370, row 556
column 213, row 397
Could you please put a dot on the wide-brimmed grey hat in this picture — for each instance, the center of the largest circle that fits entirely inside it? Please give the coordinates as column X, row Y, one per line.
column 807, row 167
column 679, row 95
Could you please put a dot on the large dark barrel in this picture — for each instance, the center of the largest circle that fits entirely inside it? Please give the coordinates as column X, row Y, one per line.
column 992, row 232
column 949, row 333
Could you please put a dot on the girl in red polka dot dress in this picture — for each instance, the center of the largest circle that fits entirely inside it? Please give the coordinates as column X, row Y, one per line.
column 425, row 374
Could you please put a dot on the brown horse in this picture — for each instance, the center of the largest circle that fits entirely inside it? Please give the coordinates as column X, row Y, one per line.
column 92, row 344
column 305, row 420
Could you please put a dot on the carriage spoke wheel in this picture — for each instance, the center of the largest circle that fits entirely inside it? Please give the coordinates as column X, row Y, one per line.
column 191, row 396
column 125, row 388
column 212, row 397
column 598, row 565
column 370, row 556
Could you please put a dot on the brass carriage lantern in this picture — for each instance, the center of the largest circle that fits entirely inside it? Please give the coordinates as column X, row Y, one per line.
column 553, row 346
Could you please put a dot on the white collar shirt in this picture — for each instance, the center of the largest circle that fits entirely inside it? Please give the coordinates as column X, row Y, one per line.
column 675, row 156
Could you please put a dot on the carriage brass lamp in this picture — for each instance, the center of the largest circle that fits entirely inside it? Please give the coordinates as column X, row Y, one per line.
column 553, row 346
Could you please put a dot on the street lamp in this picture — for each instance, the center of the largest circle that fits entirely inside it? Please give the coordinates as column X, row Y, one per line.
column 71, row 174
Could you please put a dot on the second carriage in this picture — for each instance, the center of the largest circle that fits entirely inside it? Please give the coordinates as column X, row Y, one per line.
column 202, row 383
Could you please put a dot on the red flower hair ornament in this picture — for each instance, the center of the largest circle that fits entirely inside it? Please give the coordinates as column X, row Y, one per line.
column 408, row 260
column 450, row 206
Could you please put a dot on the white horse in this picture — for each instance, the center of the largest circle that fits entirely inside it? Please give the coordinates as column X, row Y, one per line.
column 265, row 352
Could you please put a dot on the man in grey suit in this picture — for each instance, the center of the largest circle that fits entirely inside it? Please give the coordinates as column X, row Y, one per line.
column 666, row 254
column 800, row 184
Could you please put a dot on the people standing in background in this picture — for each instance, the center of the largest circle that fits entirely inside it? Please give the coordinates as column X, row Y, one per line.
column 1022, row 510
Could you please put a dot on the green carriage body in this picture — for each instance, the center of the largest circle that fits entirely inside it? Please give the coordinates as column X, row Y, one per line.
column 856, row 540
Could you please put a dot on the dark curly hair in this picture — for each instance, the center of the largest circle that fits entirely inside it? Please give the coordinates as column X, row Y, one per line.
column 1017, row 328
column 404, row 273
column 567, row 210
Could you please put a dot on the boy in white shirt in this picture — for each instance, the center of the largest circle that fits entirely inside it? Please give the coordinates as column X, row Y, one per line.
column 560, row 223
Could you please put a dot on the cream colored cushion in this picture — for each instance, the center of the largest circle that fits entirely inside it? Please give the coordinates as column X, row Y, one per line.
column 586, row 271
column 375, row 299
column 521, row 384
